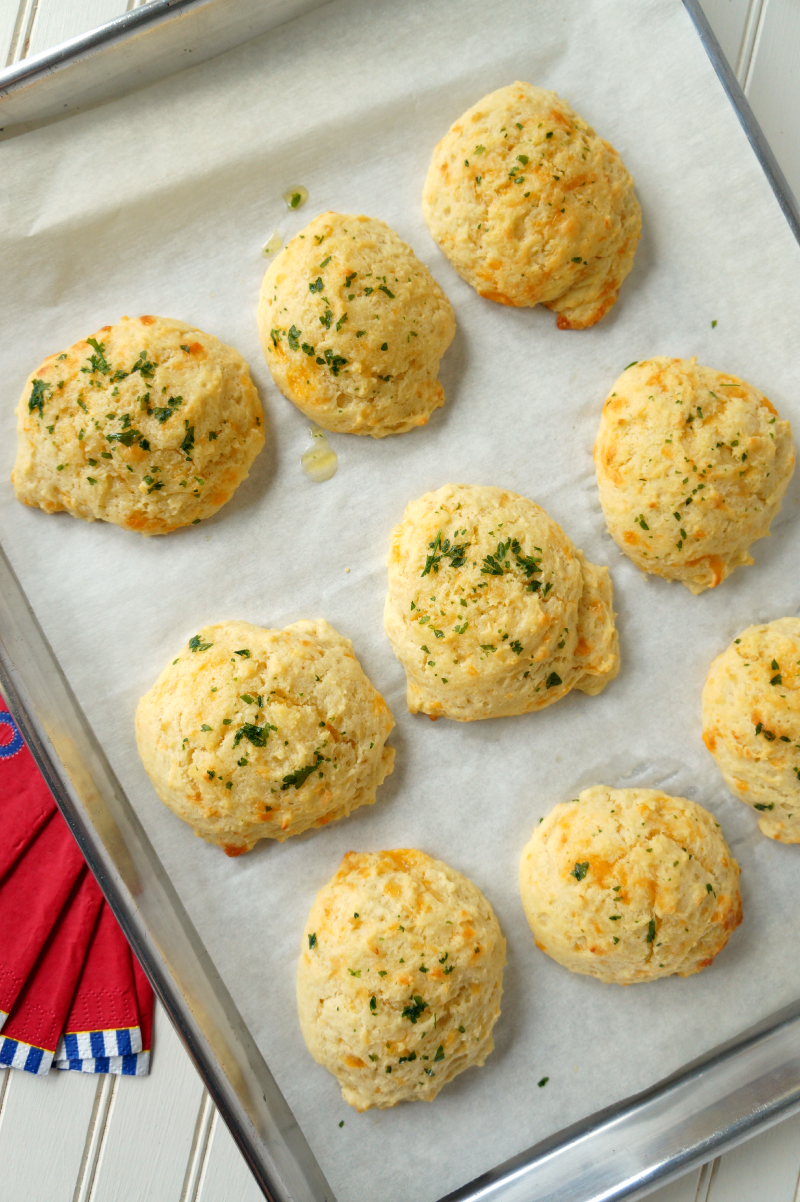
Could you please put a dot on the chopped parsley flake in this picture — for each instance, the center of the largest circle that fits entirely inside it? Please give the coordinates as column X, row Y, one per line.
column 440, row 549
column 414, row 1009
column 36, row 399
column 257, row 735
column 301, row 775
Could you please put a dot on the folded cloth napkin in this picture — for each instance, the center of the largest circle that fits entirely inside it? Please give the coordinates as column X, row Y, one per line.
column 103, row 1021
column 32, row 895
column 71, row 994
column 132, row 1064
column 31, row 1034
column 27, row 801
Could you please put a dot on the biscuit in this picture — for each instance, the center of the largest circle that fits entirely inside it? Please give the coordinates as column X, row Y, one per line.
column 531, row 207
column 751, row 723
column 692, row 465
column 260, row 734
column 630, row 885
column 491, row 610
column 399, row 978
column 150, row 424
column 353, row 327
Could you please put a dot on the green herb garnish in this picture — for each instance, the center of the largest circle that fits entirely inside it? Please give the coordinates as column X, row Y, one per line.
column 37, row 398
column 300, row 776
column 257, row 735
column 144, row 366
column 414, row 1009
column 98, row 360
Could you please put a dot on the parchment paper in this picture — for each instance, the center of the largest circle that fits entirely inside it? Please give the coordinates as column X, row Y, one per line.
column 159, row 203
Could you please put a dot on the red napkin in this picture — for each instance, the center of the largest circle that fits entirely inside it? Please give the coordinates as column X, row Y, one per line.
column 130, row 1064
column 32, row 1032
column 103, row 1021
column 71, row 994
column 32, row 896
column 27, row 801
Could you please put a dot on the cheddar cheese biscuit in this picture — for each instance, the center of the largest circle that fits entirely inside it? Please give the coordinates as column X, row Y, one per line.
column 400, row 977
column 150, row 424
column 751, row 723
column 531, row 206
column 630, row 885
column 491, row 609
column 353, row 327
column 260, row 734
column 692, row 464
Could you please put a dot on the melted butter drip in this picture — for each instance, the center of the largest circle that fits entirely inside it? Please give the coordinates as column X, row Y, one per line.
column 320, row 461
column 272, row 244
column 296, row 197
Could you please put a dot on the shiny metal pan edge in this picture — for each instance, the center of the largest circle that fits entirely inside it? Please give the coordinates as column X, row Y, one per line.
column 622, row 1152
column 129, row 52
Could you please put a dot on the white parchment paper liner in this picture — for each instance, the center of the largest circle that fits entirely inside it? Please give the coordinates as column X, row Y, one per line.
column 160, row 203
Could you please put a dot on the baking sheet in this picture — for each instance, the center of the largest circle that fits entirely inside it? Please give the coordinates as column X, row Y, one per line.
column 160, row 203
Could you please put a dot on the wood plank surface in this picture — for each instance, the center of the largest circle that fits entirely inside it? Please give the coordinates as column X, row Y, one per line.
column 728, row 19
column 765, row 1168
column 35, row 1166
column 225, row 1176
column 150, row 1130
column 8, row 20
column 773, row 83
column 54, row 23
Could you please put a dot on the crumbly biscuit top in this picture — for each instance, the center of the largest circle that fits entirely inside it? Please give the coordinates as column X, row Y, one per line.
column 691, row 465
column 149, row 423
column 353, row 326
column 532, row 206
column 251, row 733
column 630, row 884
column 485, row 595
column 408, row 952
column 751, row 722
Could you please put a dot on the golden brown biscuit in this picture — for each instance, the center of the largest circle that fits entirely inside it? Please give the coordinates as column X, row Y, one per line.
column 692, row 465
column 260, row 734
column 353, row 327
column 491, row 610
column 751, row 723
column 150, row 424
column 530, row 206
column 630, row 885
column 400, row 977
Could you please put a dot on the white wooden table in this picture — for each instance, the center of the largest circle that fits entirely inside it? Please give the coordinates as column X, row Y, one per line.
column 74, row 1138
